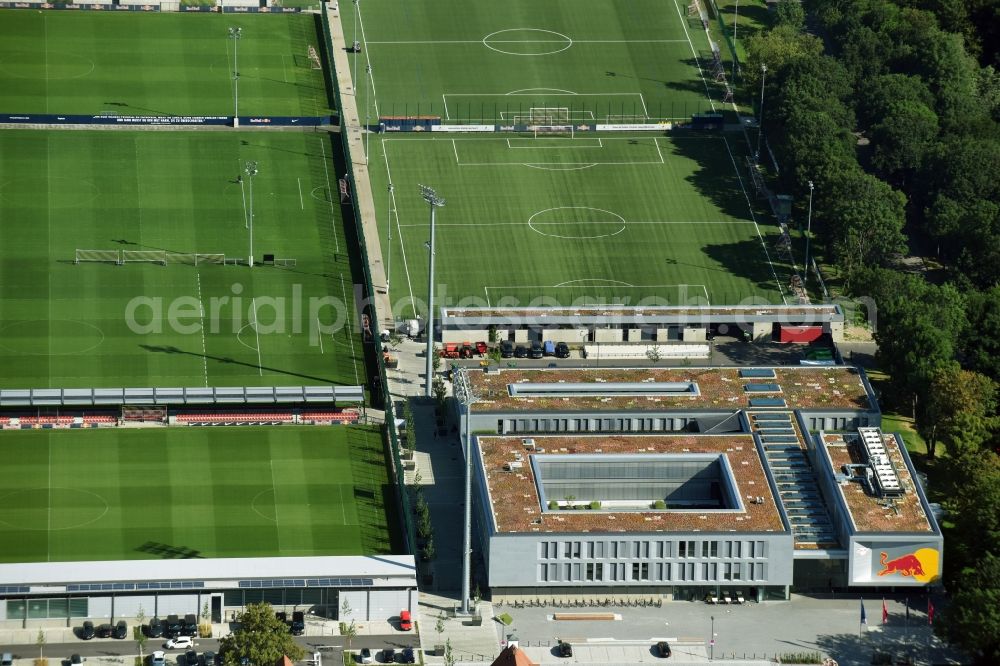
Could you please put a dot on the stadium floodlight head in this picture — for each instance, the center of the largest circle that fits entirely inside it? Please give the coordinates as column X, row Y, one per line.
column 235, row 33
column 251, row 168
column 431, row 197
column 251, row 171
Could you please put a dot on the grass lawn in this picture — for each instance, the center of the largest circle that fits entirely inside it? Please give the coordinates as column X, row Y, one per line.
column 99, row 324
column 652, row 218
column 219, row 492
column 472, row 60
column 143, row 63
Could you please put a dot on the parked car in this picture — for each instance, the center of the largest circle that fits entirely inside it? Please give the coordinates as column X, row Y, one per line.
column 76, row 660
column 87, row 630
column 366, row 656
column 562, row 350
column 405, row 621
column 407, row 656
column 388, row 656
column 190, row 625
column 155, row 628
column 506, row 349
column 191, row 658
column 104, row 630
column 663, row 649
column 174, row 627
column 8, row 659
column 121, row 630
column 520, row 351
column 536, row 350
column 158, row 659
column 179, row 643
column 282, row 617
column 208, row 658
column 298, row 623
column 564, row 649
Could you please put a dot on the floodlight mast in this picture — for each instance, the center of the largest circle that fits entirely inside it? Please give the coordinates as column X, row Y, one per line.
column 431, row 197
column 465, row 395
column 809, row 225
column 760, row 117
column 235, row 34
column 251, row 171
column 388, row 252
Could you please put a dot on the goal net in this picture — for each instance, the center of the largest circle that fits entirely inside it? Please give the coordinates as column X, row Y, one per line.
column 546, row 115
column 314, row 58
column 144, row 256
column 103, row 256
column 553, row 131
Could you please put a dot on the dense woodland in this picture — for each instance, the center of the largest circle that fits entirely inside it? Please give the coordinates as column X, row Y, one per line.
column 892, row 109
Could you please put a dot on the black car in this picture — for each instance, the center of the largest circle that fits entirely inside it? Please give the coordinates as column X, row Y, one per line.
column 388, row 656
column 663, row 649
column 87, row 630
column 155, row 628
column 174, row 627
column 282, row 617
column 520, row 351
column 506, row 349
column 298, row 623
column 536, row 350
column 208, row 658
column 562, row 350
column 104, row 631
column 191, row 658
column 407, row 656
column 76, row 660
column 564, row 649
column 190, row 625
column 121, row 630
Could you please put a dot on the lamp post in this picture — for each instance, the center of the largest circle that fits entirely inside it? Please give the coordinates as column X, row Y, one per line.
column 809, row 224
column 235, row 34
column 463, row 392
column 368, row 97
column 251, row 171
column 354, row 81
column 711, row 642
column 388, row 252
column 760, row 117
column 431, row 197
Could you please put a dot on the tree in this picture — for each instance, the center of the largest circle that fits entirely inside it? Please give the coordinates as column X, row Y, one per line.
column 958, row 410
column 40, row 642
column 440, row 391
column 449, row 655
column 350, row 630
column 260, row 637
column 972, row 619
column 973, row 506
column 790, row 13
column 903, row 138
column 865, row 218
column 982, row 351
column 137, row 631
column 653, row 353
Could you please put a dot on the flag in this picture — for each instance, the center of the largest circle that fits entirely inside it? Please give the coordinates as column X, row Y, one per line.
column 930, row 611
column 864, row 617
column 885, row 612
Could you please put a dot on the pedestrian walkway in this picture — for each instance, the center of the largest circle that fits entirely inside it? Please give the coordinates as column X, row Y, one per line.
column 469, row 642
column 353, row 133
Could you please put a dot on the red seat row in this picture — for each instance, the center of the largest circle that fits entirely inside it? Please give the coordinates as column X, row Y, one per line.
column 236, row 417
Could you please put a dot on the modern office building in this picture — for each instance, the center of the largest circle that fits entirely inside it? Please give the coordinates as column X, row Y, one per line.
column 679, row 483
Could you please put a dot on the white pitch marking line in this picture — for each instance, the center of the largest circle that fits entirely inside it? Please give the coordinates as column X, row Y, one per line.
column 48, row 527
column 445, row 98
column 260, row 368
column 399, row 228
column 535, row 41
column 657, row 144
column 329, row 190
column 301, row 203
column 455, row 148
column 695, row 54
column 320, row 336
column 487, row 290
column 524, row 224
column 274, row 491
column 754, row 218
column 284, row 71
column 368, row 60
column 201, row 309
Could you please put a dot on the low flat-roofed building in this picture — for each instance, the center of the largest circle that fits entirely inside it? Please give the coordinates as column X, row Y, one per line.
column 685, row 482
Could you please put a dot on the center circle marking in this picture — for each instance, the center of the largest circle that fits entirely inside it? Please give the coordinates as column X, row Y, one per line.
column 64, row 191
column 265, row 516
column 548, row 45
column 618, row 223
column 78, row 508
column 56, row 65
column 24, row 336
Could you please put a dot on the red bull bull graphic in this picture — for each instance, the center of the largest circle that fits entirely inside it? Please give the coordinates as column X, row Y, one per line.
column 921, row 565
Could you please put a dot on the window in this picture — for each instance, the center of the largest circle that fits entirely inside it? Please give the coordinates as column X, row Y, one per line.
column 682, row 549
column 640, row 571
column 666, row 549
column 645, row 549
column 704, row 549
column 713, row 549
column 543, row 573
column 690, row 549
column 543, row 550
column 666, row 571
column 595, row 571
column 727, row 549
column 713, row 571
column 622, row 549
column 760, row 549
column 590, row 549
column 576, row 550
column 727, row 571
column 635, row 549
column 599, row 550
column 577, row 575
column 750, row 571
column 737, row 548
column 736, row 571
column 553, row 572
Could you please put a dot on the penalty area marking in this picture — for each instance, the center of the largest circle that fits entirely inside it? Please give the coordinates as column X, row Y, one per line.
column 569, row 144
column 515, row 93
column 569, row 285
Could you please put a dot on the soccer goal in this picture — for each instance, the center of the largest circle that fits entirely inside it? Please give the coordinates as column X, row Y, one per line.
column 100, row 256
column 144, row 256
column 544, row 115
column 314, row 58
column 547, row 131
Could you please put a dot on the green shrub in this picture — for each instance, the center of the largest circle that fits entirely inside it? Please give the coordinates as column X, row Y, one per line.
column 659, row 504
column 553, row 505
column 595, row 505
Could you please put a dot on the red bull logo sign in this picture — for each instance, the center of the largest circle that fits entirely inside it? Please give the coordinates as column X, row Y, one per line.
column 921, row 565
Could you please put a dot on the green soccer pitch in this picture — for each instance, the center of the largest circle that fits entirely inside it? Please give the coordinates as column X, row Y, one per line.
column 653, row 220
column 173, row 194
column 603, row 60
column 144, row 63
column 657, row 218
column 193, row 492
